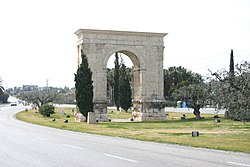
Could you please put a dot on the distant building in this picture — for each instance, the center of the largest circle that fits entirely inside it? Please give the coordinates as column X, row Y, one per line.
column 29, row 88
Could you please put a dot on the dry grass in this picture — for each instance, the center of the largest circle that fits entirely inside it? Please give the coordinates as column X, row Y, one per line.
column 226, row 135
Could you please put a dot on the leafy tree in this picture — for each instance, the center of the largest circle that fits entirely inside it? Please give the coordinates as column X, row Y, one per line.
column 46, row 110
column 1, row 87
column 4, row 98
column 196, row 96
column 125, row 89
column 38, row 97
column 65, row 98
column 177, row 77
column 116, row 81
column 84, row 87
column 232, row 92
column 3, row 95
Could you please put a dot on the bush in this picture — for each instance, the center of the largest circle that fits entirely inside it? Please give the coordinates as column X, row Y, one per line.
column 4, row 98
column 170, row 103
column 46, row 110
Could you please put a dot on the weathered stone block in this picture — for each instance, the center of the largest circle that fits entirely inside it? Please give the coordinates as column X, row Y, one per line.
column 91, row 118
column 104, row 118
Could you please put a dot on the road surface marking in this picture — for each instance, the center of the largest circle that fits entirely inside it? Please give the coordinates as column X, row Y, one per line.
column 240, row 164
column 79, row 148
column 126, row 159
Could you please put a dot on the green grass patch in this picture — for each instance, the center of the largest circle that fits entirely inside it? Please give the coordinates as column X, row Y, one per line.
column 226, row 135
column 116, row 126
column 175, row 134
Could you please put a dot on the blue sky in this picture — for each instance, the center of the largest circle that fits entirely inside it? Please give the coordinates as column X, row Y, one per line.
column 37, row 36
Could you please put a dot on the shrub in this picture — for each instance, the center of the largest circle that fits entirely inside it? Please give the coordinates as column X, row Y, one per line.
column 170, row 103
column 4, row 98
column 46, row 110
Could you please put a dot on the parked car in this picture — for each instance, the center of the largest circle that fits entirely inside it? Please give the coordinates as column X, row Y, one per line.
column 13, row 104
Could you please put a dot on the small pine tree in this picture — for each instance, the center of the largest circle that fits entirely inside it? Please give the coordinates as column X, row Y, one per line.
column 125, row 89
column 116, row 82
column 84, row 87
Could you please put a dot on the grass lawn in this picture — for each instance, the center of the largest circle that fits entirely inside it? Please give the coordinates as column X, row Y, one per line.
column 226, row 135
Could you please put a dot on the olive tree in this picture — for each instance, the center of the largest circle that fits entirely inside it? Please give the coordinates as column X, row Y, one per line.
column 177, row 77
column 196, row 95
column 232, row 92
column 38, row 97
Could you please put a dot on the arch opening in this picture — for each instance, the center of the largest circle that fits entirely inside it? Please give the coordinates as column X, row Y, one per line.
column 130, row 60
column 123, row 58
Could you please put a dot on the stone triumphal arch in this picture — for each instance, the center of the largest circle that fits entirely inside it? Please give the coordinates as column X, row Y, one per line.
column 146, row 52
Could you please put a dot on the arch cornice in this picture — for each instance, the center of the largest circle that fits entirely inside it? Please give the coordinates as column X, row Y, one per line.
column 81, row 32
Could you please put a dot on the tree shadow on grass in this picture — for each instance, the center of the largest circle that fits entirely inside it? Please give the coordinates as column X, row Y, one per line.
column 168, row 121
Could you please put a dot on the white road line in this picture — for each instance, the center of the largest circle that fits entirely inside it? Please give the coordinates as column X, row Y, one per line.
column 12, row 115
column 79, row 148
column 126, row 159
column 239, row 164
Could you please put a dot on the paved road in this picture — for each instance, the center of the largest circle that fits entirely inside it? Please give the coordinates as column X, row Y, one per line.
column 27, row 145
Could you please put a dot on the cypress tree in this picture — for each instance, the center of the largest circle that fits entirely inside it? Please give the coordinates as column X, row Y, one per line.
column 125, row 89
column 116, row 82
column 231, row 66
column 231, row 81
column 84, row 87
